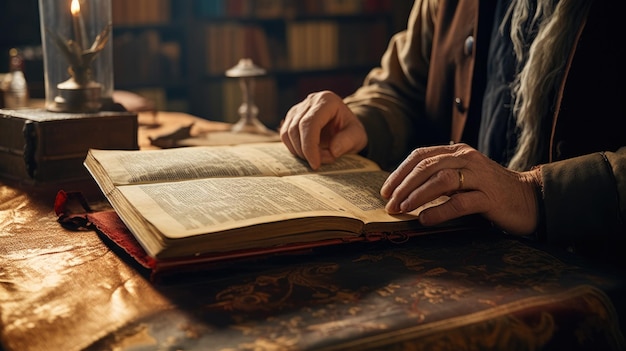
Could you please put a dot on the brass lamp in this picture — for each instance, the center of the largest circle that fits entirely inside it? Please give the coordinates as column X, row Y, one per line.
column 248, row 122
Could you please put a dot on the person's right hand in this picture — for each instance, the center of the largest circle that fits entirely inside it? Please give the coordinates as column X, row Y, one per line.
column 321, row 128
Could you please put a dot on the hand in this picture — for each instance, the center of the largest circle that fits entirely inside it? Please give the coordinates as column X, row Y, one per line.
column 321, row 128
column 474, row 183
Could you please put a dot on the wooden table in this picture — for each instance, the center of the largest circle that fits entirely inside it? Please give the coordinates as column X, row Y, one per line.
column 65, row 290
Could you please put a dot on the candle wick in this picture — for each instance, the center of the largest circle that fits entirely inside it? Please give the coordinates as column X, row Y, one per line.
column 79, row 25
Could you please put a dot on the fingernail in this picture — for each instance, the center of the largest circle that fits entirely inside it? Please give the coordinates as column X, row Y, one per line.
column 335, row 150
column 384, row 192
column 403, row 207
column 391, row 208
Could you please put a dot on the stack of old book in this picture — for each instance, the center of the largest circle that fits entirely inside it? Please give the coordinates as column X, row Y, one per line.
column 38, row 146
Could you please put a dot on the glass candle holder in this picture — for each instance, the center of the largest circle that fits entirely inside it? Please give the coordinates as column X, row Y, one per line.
column 78, row 54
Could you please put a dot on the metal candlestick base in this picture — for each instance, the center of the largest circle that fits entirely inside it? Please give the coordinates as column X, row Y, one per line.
column 77, row 98
column 248, row 122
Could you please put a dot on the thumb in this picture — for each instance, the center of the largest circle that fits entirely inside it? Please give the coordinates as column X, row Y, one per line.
column 349, row 140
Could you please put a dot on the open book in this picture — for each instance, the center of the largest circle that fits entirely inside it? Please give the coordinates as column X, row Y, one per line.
column 206, row 200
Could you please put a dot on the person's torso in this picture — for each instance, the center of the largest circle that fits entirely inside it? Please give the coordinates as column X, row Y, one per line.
column 588, row 113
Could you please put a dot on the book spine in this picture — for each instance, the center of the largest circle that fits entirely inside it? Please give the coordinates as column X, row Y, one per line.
column 12, row 147
column 11, row 140
column 140, row 12
column 31, row 141
column 226, row 43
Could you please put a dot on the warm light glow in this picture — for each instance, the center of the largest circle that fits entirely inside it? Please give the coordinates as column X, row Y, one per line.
column 75, row 8
column 79, row 26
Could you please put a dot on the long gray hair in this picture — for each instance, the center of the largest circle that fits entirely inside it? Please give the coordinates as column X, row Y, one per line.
column 557, row 23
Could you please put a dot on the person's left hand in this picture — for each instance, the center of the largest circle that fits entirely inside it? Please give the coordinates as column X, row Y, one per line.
column 474, row 183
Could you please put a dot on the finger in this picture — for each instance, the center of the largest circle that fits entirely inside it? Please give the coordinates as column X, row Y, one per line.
column 327, row 135
column 337, row 146
column 315, row 124
column 444, row 182
column 459, row 205
column 318, row 119
column 419, row 157
column 286, row 133
column 310, row 130
column 349, row 139
column 431, row 178
column 299, row 132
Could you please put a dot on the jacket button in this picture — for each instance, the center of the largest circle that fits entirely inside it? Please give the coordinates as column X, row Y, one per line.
column 458, row 103
column 468, row 48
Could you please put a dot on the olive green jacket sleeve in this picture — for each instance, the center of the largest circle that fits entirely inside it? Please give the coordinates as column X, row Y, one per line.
column 391, row 101
column 585, row 198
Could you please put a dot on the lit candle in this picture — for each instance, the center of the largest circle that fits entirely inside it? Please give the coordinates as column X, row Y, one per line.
column 77, row 19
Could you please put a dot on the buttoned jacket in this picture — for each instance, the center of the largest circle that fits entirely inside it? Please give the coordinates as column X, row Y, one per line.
column 428, row 90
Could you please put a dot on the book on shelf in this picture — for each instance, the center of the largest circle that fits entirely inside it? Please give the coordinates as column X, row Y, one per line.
column 144, row 57
column 270, row 9
column 327, row 44
column 312, row 44
column 342, row 7
column 209, row 203
column 227, row 43
column 140, row 12
column 224, row 97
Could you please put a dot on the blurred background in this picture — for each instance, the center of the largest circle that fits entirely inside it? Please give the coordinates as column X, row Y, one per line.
column 175, row 52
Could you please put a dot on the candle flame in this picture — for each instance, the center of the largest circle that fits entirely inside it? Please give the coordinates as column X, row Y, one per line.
column 75, row 7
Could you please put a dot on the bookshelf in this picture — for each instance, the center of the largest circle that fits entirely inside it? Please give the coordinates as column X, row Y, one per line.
column 176, row 51
column 149, row 51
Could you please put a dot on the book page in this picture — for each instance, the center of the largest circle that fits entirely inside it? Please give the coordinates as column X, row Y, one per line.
column 189, row 208
column 151, row 166
column 221, row 214
column 359, row 194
